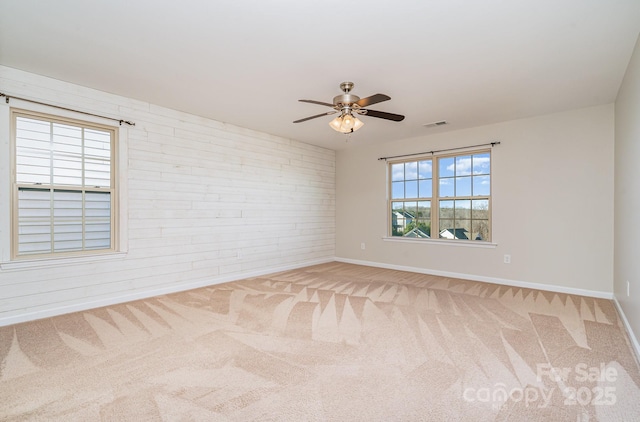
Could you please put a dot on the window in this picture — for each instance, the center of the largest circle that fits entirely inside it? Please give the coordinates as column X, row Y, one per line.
column 446, row 197
column 63, row 186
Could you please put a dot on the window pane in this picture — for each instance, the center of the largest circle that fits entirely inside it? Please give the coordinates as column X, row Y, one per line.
column 67, row 145
column 33, row 129
column 411, row 209
column 67, row 221
column 34, row 203
column 463, row 165
column 68, row 204
column 411, row 170
column 480, row 230
column 411, row 189
column 67, row 236
column 462, row 209
column 33, row 151
column 447, row 187
column 97, row 205
column 397, row 218
column 418, row 229
column 34, row 221
column 397, row 190
column 482, row 163
column 97, row 220
column 446, row 211
column 97, row 158
column 463, row 186
column 67, row 172
column 97, row 173
column 73, row 133
column 33, row 134
column 403, row 217
column 424, row 169
column 481, row 186
column 447, row 230
column 397, row 172
column 480, row 209
column 99, row 233
column 424, row 210
column 35, row 159
column 35, row 237
column 424, row 188
column 423, row 229
column 446, row 167
column 463, row 229
column 67, row 155
column 33, row 166
column 97, row 144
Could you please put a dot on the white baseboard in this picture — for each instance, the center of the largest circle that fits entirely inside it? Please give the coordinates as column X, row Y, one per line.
column 634, row 340
column 502, row 281
column 113, row 300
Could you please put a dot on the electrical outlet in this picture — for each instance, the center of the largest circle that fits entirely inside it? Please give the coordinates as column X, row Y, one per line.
column 628, row 288
column 507, row 259
column 362, row 246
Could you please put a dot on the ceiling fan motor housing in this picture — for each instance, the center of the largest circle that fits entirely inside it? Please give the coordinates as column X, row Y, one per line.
column 346, row 98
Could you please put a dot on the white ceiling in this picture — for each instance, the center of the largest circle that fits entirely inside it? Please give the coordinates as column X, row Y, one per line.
column 247, row 62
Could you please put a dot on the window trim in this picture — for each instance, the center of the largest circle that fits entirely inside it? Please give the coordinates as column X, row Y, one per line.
column 443, row 242
column 114, row 190
column 435, row 198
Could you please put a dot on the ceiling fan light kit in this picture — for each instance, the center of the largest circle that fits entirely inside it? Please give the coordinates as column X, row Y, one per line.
column 347, row 105
column 346, row 123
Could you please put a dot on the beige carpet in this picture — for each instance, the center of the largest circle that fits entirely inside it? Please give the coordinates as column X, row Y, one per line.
column 333, row 342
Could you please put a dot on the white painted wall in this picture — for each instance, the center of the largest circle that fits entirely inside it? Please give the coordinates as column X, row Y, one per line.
column 204, row 202
column 627, row 194
column 552, row 181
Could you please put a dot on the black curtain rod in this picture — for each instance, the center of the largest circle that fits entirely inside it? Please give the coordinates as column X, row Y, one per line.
column 440, row 150
column 67, row 109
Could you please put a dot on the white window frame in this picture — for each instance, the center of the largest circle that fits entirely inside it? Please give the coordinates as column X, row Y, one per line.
column 435, row 199
column 8, row 253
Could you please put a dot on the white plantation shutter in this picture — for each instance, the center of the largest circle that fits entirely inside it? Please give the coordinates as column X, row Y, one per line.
column 64, row 183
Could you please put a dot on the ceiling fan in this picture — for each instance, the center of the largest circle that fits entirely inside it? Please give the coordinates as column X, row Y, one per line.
column 347, row 105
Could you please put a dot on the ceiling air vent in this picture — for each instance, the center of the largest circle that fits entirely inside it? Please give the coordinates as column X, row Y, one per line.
column 436, row 124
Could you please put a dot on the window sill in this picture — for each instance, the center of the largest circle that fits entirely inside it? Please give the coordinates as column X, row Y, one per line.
column 26, row 264
column 444, row 242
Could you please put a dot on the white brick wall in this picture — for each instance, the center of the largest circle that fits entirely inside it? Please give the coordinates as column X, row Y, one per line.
column 204, row 202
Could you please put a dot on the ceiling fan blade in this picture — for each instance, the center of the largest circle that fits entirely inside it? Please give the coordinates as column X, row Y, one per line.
column 316, row 102
column 317, row 115
column 374, row 99
column 384, row 115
